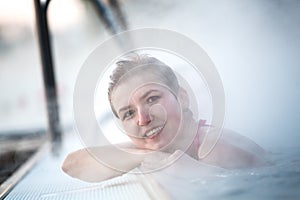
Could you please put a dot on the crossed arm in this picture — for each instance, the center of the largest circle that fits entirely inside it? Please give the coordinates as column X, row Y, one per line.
column 232, row 151
column 104, row 162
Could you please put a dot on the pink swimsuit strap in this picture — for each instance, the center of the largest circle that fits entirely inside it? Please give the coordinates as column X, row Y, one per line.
column 196, row 142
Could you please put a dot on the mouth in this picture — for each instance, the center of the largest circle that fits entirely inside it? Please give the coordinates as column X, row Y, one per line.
column 153, row 132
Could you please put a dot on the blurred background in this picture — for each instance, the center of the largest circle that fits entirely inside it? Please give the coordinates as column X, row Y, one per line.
column 254, row 44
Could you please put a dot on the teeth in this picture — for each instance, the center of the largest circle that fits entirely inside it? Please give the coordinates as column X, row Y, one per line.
column 153, row 131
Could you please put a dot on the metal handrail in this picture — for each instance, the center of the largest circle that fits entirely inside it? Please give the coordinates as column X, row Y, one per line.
column 55, row 132
column 105, row 14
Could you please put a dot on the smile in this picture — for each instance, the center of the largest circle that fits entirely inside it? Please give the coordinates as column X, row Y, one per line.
column 153, row 132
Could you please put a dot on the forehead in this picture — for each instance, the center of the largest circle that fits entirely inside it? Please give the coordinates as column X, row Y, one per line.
column 134, row 81
column 135, row 87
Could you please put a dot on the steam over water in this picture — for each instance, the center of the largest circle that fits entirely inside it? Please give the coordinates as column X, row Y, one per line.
column 255, row 46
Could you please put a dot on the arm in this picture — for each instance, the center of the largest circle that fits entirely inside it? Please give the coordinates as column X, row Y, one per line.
column 82, row 164
column 93, row 164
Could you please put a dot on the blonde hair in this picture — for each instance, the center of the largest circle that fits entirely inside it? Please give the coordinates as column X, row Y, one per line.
column 141, row 63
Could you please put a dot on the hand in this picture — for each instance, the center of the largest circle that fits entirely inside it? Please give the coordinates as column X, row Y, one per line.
column 179, row 164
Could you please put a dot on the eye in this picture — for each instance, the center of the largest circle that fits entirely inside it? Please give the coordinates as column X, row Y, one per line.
column 153, row 99
column 128, row 115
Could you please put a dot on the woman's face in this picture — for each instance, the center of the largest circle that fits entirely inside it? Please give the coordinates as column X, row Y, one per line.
column 149, row 112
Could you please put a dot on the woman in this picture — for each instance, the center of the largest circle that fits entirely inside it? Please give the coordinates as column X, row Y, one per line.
column 154, row 111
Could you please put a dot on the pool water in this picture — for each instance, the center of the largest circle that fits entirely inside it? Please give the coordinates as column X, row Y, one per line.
column 185, row 179
column 281, row 180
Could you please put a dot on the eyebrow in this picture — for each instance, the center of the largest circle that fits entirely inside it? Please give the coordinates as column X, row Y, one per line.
column 147, row 93
column 142, row 97
column 122, row 109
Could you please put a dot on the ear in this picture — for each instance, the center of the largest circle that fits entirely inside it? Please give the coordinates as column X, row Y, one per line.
column 183, row 98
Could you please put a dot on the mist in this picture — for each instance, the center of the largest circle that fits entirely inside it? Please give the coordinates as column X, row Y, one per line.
column 255, row 46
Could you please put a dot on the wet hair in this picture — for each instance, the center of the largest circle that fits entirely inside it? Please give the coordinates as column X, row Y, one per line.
column 135, row 64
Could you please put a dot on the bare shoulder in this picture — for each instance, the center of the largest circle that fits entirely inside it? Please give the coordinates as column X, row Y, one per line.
column 233, row 150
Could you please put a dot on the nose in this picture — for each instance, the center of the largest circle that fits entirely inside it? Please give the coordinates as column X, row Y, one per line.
column 143, row 117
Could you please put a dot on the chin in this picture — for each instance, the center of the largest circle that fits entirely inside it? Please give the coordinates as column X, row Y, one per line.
column 157, row 146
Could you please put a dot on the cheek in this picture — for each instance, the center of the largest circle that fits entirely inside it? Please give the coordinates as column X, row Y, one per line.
column 173, row 110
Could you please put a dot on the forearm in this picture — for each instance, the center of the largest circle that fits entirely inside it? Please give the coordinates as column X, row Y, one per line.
column 100, row 163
